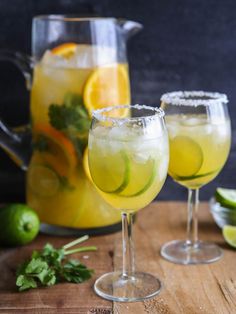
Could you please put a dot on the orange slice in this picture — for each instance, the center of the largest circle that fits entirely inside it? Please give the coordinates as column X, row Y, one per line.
column 65, row 50
column 60, row 153
column 107, row 86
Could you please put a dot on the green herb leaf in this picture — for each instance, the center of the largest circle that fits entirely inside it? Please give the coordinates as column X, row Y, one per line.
column 71, row 116
column 50, row 266
column 25, row 282
column 74, row 271
column 41, row 143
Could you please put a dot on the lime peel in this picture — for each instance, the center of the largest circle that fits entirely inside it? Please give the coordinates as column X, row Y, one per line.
column 229, row 234
column 19, row 224
column 99, row 168
column 152, row 170
column 226, row 197
column 186, row 157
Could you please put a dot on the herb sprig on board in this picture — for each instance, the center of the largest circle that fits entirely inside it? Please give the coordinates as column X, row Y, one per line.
column 51, row 266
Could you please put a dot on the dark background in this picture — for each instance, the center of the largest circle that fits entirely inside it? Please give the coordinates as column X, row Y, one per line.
column 185, row 44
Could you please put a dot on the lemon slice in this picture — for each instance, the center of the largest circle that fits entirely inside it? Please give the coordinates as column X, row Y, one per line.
column 186, row 157
column 226, row 197
column 141, row 177
column 43, row 180
column 65, row 50
column 110, row 173
column 108, row 86
column 229, row 233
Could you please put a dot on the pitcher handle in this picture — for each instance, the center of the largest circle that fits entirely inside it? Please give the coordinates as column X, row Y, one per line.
column 16, row 141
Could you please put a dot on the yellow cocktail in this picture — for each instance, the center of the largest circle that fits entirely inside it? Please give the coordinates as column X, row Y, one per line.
column 199, row 135
column 68, row 83
column 128, row 172
column 128, row 162
column 198, row 148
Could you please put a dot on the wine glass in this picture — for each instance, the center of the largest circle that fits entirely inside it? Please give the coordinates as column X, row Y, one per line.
column 128, row 161
column 199, row 136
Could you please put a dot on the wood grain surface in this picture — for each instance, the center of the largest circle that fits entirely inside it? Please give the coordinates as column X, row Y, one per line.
column 192, row 289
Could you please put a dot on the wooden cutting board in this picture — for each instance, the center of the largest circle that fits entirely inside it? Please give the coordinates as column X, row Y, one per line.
column 207, row 289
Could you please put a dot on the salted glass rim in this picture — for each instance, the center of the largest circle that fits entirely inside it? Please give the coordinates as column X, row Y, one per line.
column 99, row 113
column 189, row 98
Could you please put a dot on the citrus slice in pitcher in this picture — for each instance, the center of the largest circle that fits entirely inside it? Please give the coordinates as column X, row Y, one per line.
column 107, row 86
column 186, row 157
column 55, row 149
column 43, row 180
column 65, row 50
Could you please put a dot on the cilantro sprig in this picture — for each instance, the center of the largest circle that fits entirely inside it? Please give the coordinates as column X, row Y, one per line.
column 51, row 266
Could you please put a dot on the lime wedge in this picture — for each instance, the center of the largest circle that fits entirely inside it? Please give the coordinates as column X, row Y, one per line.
column 186, row 157
column 229, row 234
column 141, row 177
column 43, row 180
column 110, row 173
column 226, row 197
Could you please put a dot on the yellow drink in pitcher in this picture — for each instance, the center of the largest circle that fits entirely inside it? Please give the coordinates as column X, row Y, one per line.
column 129, row 169
column 68, row 83
column 199, row 148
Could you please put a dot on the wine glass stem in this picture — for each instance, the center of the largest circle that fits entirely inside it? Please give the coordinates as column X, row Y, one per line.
column 192, row 224
column 128, row 247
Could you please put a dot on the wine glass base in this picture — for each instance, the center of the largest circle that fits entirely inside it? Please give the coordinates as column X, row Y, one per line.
column 181, row 252
column 115, row 287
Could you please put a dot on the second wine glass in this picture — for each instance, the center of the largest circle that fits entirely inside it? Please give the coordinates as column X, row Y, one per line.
column 199, row 135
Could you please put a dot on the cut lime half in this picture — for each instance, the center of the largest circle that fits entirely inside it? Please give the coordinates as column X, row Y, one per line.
column 186, row 157
column 229, row 234
column 226, row 197
column 111, row 172
column 141, row 177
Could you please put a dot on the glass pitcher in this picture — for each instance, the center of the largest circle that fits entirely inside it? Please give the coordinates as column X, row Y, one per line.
column 79, row 64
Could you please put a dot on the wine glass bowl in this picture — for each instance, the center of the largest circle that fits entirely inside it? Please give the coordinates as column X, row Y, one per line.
column 199, row 136
column 128, row 161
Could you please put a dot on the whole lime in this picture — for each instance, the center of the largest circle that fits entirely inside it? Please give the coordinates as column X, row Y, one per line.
column 19, row 224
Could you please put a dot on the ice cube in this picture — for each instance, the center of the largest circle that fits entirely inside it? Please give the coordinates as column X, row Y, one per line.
column 53, row 60
column 162, row 167
column 88, row 56
column 85, row 56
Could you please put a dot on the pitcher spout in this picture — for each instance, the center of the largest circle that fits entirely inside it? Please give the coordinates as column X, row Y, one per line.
column 129, row 28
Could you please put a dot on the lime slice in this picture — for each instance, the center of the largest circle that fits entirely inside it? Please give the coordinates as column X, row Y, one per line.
column 141, row 177
column 226, row 197
column 229, row 233
column 110, row 173
column 43, row 180
column 186, row 157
